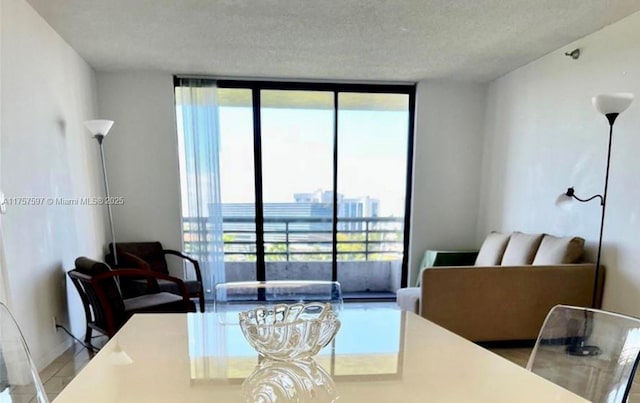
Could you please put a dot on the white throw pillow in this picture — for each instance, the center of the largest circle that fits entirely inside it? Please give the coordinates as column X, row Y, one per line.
column 521, row 249
column 492, row 249
column 554, row 250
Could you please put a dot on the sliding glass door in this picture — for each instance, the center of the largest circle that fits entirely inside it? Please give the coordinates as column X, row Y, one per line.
column 297, row 181
column 372, row 179
column 313, row 183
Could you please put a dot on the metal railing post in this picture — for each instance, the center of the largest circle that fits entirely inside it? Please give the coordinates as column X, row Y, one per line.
column 366, row 239
column 286, row 231
column 240, row 239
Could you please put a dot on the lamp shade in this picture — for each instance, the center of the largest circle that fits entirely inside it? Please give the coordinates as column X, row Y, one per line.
column 99, row 126
column 612, row 103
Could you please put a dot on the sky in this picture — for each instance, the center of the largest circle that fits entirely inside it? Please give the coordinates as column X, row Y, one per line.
column 297, row 155
column 297, row 152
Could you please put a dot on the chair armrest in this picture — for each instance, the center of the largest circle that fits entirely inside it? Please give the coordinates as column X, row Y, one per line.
column 143, row 273
column 194, row 262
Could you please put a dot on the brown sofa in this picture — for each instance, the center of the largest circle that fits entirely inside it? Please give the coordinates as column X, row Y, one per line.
column 502, row 303
column 507, row 302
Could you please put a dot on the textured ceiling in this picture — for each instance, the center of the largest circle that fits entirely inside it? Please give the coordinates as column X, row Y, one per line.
column 362, row 40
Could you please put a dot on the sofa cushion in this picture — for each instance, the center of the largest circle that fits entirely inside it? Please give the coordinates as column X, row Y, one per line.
column 521, row 249
column 554, row 250
column 492, row 249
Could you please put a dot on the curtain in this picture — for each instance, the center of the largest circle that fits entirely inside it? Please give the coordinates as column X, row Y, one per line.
column 199, row 150
column 4, row 290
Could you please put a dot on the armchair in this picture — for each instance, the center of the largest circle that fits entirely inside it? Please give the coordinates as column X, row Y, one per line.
column 151, row 256
column 106, row 310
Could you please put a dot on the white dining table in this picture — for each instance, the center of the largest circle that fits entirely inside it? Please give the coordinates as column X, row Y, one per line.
column 379, row 355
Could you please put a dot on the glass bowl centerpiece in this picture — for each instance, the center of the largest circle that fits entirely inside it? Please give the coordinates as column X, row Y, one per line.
column 289, row 332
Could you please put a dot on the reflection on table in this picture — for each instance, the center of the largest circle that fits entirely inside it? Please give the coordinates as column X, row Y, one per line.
column 289, row 381
column 369, row 343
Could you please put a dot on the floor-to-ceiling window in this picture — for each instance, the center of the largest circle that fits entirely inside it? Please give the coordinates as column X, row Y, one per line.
column 373, row 144
column 297, row 131
column 314, row 183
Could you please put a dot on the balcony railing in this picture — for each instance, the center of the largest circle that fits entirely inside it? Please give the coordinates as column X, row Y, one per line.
column 302, row 238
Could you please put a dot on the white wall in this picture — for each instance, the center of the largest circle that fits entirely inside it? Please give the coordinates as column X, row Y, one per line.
column 142, row 160
column 142, row 155
column 543, row 135
column 3, row 262
column 447, row 154
column 47, row 92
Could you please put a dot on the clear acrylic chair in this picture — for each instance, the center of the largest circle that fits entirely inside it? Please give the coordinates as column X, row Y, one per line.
column 591, row 352
column 234, row 297
column 19, row 379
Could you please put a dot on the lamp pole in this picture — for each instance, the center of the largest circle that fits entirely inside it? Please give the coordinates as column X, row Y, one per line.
column 100, row 139
column 611, row 117
column 100, row 129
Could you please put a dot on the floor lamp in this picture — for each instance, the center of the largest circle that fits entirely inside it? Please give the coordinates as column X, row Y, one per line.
column 611, row 106
column 100, row 129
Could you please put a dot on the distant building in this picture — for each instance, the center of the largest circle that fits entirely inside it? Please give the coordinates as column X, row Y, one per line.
column 278, row 210
column 352, row 207
column 347, row 207
column 357, row 208
column 319, row 196
column 316, row 205
column 274, row 212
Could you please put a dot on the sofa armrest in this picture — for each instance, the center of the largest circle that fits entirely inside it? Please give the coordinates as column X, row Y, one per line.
column 503, row 302
column 434, row 258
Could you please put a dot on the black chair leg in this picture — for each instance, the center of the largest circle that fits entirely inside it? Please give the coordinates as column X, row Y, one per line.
column 87, row 336
column 201, row 303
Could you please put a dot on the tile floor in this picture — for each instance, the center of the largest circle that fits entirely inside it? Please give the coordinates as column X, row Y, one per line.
column 64, row 368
